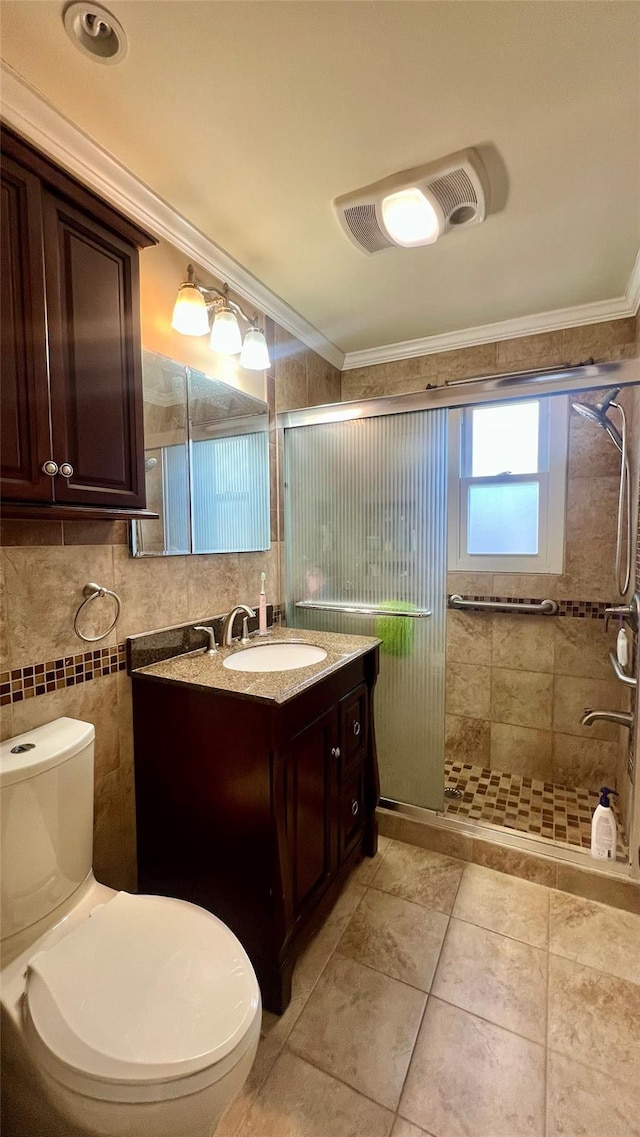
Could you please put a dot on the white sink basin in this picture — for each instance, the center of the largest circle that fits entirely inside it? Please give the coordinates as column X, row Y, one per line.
column 275, row 657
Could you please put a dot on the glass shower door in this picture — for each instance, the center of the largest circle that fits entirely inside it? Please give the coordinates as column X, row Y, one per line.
column 365, row 538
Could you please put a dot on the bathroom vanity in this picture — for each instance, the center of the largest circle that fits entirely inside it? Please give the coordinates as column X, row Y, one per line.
column 256, row 792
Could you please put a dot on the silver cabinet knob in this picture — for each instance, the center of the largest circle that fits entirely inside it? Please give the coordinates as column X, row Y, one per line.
column 335, row 752
column 356, row 728
column 355, row 806
column 50, row 467
column 66, row 469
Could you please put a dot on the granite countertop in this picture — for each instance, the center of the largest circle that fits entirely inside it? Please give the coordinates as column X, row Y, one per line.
column 196, row 669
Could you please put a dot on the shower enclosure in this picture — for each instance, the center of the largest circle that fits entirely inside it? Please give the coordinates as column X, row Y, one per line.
column 487, row 669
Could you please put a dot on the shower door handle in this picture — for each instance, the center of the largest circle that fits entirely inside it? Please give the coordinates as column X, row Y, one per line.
column 628, row 680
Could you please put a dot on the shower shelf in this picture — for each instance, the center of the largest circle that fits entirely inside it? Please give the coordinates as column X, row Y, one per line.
column 543, row 607
column 364, row 609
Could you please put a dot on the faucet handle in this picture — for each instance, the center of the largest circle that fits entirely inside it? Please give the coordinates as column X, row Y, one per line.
column 245, row 631
column 212, row 649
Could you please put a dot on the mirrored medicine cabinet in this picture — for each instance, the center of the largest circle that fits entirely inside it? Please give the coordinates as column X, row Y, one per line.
column 206, row 464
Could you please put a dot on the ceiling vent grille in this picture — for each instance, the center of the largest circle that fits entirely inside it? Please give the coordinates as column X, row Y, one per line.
column 363, row 224
column 456, row 186
column 456, row 194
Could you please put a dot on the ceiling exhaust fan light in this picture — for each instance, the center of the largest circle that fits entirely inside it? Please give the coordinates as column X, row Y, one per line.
column 410, row 218
column 190, row 316
column 255, row 353
column 225, row 333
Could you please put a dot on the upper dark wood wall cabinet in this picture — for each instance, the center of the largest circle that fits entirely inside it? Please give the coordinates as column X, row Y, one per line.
column 71, row 415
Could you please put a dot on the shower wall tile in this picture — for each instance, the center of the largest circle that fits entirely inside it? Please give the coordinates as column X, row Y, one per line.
column 469, row 637
column 591, row 453
column 589, row 569
column 470, row 583
column 579, row 761
column 601, row 341
column 592, row 504
column 582, row 648
column 523, row 643
column 537, row 586
column 572, row 696
column 543, row 350
column 521, row 750
column 468, row 690
column 468, row 740
column 521, row 698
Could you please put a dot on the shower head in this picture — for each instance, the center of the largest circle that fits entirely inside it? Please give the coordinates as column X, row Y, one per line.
column 599, row 413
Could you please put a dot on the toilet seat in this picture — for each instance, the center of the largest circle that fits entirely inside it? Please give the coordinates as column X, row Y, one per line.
column 144, row 994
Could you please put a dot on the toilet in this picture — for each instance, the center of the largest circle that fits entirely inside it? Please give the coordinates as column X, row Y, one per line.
column 122, row 1015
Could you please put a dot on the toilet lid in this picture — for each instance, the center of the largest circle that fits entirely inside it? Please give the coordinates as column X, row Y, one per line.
column 145, row 989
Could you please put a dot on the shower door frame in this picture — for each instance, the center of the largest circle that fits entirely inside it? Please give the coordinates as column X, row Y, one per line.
column 483, row 390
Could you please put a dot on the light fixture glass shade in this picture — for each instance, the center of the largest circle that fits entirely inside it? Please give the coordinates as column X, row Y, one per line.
column 190, row 316
column 255, row 353
column 410, row 218
column 225, row 333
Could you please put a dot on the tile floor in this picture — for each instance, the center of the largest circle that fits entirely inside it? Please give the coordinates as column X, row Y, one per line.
column 442, row 998
column 562, row 813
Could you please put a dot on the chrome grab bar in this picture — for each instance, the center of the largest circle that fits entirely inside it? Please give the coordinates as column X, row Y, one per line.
column 364, row 609
column 542, row 607
column 622, row 675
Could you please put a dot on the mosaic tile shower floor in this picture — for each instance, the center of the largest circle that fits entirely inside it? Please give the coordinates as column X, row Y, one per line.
column 543, row 809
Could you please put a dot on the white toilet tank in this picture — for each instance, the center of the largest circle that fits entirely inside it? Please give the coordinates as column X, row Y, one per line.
column 46, row 800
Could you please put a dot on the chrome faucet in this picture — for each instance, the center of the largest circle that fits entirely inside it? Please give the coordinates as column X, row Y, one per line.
column 227, row 627
column 211, row 649
column 623, row 718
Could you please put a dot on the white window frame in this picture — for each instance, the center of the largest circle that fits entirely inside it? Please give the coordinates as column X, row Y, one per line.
column 551, row 477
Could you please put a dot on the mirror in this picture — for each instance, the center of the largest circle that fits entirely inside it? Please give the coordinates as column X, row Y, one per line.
column 206, row 464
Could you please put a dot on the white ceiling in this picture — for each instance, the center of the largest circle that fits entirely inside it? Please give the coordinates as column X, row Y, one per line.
column 250, row 117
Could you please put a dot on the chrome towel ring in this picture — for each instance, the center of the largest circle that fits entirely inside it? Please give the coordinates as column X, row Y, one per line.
column 91, row 592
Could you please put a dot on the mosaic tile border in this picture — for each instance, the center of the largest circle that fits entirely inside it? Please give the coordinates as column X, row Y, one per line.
column 580, row 609
column 67, row 671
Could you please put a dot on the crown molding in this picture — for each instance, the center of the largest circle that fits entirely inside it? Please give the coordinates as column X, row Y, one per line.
column 37, row 120
column 580, row 314
column 633, row 288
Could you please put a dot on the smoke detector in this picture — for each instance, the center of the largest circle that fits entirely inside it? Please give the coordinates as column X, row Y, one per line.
column 95, row 32
column 417, row 206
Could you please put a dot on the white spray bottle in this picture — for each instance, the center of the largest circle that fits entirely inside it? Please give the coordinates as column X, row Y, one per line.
column 604, row 830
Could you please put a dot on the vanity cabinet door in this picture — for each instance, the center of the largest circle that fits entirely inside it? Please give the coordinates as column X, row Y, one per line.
column 24, row 411
column 95, row 364
column 310, row 774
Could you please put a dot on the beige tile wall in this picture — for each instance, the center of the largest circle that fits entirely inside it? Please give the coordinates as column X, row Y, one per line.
column 517, row 686
column 43, row 567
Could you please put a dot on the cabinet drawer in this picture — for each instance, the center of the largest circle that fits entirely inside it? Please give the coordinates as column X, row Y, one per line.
column 351, row 810
column 354, row 728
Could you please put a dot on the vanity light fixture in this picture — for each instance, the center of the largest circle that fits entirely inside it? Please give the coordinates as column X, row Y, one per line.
column 191, row 318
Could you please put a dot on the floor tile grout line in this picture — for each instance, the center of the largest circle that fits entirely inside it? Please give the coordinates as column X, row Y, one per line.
column 426, row 1004
column 505, row 935
column 337, row 1078
column 422, row 1017
column 428, row 907
column 377, row 971
column 484, row 1019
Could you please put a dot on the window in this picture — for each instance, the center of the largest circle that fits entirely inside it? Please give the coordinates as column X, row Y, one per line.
column 507, row 465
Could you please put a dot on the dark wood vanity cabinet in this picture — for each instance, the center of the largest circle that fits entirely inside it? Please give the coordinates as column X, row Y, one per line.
column 257, row 811
column 71, row 421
